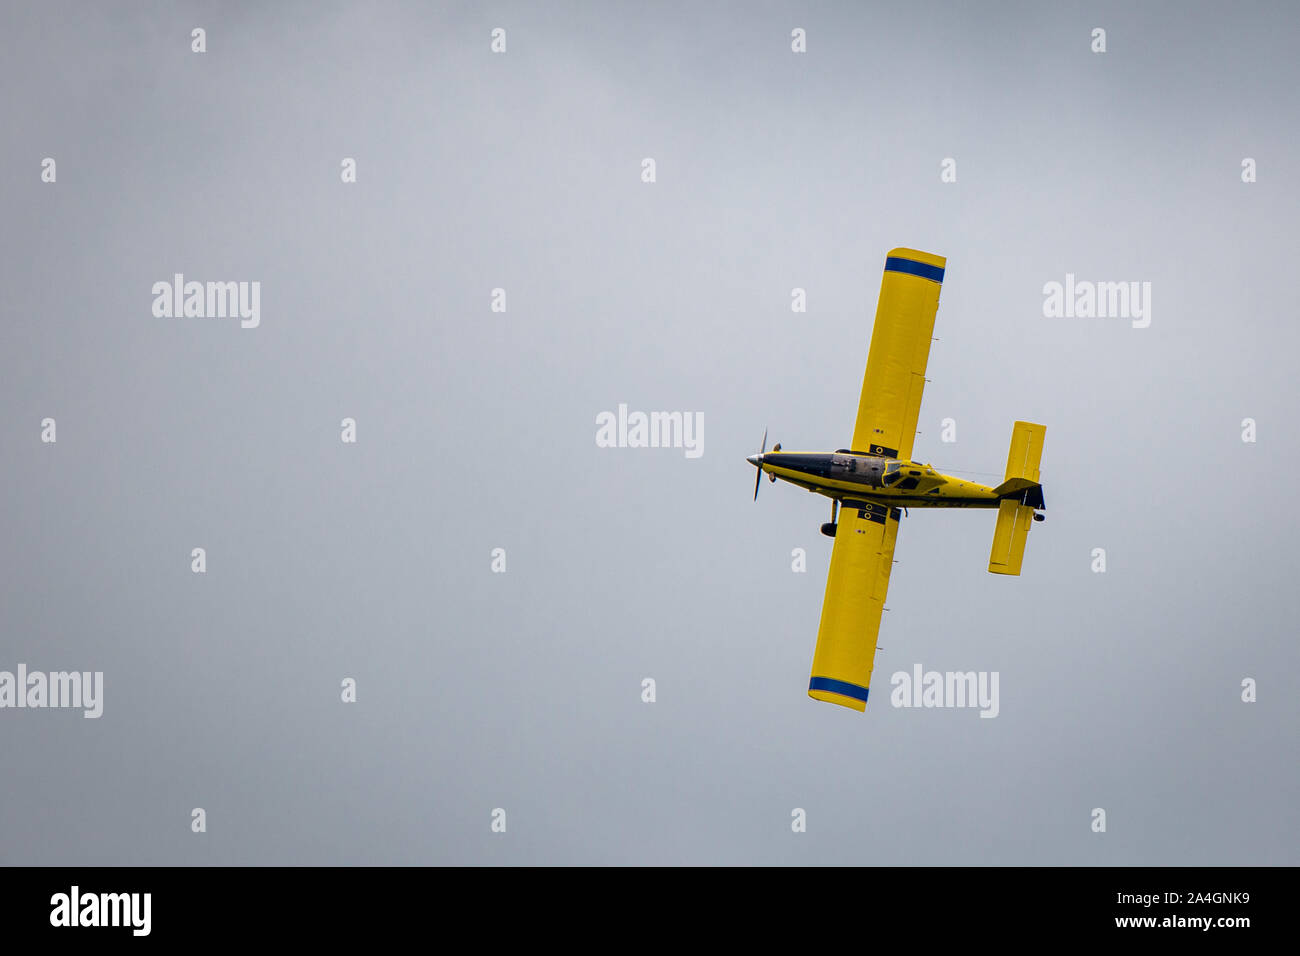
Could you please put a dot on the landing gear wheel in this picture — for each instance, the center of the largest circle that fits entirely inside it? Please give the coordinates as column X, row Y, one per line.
column 828, row 529
column 1038, row 517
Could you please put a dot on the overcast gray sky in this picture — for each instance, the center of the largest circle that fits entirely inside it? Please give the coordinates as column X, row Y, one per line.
column 522, row 170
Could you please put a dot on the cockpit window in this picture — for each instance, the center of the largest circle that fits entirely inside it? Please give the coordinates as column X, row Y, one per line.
column 892, row 473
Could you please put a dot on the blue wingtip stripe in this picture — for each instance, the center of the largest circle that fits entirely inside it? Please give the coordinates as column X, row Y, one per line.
column 841, row 687
column 913, row 268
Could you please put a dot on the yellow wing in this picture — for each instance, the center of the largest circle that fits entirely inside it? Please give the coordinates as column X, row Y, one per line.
column 855, row 596
column 900, row 348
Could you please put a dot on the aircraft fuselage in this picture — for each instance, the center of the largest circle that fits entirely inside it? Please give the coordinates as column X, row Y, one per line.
column 889, row 481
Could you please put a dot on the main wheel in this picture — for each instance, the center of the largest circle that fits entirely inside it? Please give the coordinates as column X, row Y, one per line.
column 828, row 529
column 1038, row 517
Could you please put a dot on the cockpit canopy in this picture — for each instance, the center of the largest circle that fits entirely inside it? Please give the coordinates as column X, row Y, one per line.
column 905, row 474
column 876, row 471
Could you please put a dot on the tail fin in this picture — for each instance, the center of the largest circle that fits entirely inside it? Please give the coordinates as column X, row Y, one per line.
column 1021, row 495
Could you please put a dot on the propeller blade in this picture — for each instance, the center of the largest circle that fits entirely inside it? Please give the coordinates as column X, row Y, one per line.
column 758, row 479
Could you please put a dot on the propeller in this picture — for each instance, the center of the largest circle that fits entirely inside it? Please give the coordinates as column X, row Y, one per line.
column 758, row 479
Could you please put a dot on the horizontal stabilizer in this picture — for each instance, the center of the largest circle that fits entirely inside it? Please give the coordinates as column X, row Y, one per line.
column 1026, row 450
column 1021, row 494
column 1009, row 536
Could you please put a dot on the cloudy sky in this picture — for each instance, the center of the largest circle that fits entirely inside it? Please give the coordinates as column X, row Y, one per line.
column 523, row 171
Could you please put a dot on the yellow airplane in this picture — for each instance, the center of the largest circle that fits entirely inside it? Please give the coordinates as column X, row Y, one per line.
column 873, row 483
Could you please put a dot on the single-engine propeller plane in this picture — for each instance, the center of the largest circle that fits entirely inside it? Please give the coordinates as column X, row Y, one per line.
column 874, row 482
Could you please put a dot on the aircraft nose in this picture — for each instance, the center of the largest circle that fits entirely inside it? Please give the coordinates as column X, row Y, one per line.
column 755, row 460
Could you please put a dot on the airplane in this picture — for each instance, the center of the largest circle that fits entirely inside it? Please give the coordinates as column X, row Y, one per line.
column 873, row 483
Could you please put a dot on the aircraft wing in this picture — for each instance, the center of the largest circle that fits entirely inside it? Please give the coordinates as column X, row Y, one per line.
column 861, row 561
column 900, row 348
